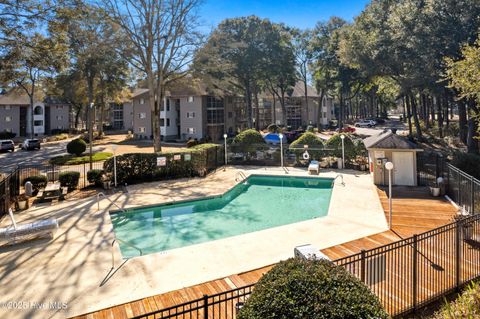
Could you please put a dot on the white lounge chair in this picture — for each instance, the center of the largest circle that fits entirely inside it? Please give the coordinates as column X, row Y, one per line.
column 19, row 233
column 314, row 166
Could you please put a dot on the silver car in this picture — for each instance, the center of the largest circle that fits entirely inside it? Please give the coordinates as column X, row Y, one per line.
column 7, row 145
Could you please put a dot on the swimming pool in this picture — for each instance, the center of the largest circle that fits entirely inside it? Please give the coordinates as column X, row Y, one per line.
column 258, row 203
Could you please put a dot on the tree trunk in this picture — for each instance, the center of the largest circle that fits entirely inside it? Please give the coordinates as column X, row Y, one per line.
column 472, row 142
column 462, row 119
column 416, row 121
column 320, row 109
column 440, row 115
column 404, row 109
column 274, row 111
column 306, row 100
column 409, row 116
column 257, row 108
column 248, row 100
column 340, row 113
column 91, row 119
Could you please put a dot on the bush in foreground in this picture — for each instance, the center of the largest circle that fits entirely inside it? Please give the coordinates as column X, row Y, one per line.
column 69, row 179
column 467, row 305
column 302, row 289
column 249, row 141
column 315, row 145
column 95, row 176
column 469, row 163
column 76, row 146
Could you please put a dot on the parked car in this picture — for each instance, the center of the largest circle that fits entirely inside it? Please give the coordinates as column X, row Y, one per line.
column 348, row 129
column 7, row 145
column 31, row 144
column 365, row 123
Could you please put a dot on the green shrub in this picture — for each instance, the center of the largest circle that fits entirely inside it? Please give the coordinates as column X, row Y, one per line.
column 249, row 141
column 469, row 163
column 467, row 305
column 142, row 167
column 315, row 146
column 95, row 176
column 38, row 181
column 69, row 179
column 335, row 142
column 76, row 146
column 298, row 288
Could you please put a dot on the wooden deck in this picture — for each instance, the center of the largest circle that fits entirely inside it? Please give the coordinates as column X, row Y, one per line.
column 414, row 212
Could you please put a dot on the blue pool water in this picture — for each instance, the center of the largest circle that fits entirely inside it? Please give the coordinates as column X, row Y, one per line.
column 259, row 203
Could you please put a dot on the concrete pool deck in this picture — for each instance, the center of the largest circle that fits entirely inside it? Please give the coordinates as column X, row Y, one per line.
column 75, row 268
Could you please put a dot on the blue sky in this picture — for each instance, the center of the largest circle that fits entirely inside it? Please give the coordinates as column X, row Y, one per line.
column 297, row 13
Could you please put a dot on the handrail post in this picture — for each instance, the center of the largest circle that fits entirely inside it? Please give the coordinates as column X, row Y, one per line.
column 414, row 272
column 205, row 306
column 472, row 199
column 458, row 234
column 362, row 270
column 98, row 201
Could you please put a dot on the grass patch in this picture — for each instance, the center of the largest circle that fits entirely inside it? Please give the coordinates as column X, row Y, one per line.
column 75, row 160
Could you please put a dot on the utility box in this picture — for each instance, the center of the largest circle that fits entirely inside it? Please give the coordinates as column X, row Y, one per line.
column 309, row 252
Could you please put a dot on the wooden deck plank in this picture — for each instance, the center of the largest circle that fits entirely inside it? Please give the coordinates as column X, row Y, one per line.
column 414, row 212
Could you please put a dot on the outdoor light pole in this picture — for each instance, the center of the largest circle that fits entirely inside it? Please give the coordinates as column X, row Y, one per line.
column 114, row 148
column 226, row 156
column 389, row 167
column 343, row 151
column 281, row 149
column 90, row 132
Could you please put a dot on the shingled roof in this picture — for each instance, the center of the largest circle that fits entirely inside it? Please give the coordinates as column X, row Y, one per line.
column 389, row 140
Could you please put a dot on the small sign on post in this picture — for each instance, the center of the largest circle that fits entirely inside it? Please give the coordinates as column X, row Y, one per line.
column 161, row 161
column 187, row 157
column 177, row 157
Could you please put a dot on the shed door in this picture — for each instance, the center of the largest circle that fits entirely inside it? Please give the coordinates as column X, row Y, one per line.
column 403, row 169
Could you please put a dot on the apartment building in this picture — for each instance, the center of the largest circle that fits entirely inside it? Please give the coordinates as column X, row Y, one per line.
column 299, row 112
column 189, row 110
column 48, row 115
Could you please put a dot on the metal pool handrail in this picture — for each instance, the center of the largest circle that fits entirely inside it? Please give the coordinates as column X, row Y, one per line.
column 241, row 175
column 105, row 196
column 126, row 243
column 341, row 176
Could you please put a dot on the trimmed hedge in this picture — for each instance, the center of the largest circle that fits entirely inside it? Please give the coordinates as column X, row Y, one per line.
column 249, row 141
column 335, row 142
column 313, row 142
column 142, row 167
column 302, row 289
column 5, row 135
column 76, row 146
column 38, row 181
column 94, row 176
column 69, row 179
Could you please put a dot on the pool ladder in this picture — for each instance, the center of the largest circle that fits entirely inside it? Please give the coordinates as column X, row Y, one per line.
column 341, row 176
column 125, row 243
column 240, row 176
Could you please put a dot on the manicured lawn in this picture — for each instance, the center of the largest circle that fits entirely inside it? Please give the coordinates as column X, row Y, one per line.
column 74, row 160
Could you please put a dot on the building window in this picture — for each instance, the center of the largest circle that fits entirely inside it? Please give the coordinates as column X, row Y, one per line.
column 191, row 130
column 8, row 107
column 8, row 130
column 59, row 107
column 141, row 129
column 177, row 104
column 142, row 101
column 190, row 99
column 162, row 122
column 230, row 115
column 8, row 118
column 142, row 115
column 37, row 123
column 215, row 116
column 190, row 115
column 168, row 122
column 168, row 105
column 59, row 127
column 324, row 114
column 38, row 110
column 59, row 117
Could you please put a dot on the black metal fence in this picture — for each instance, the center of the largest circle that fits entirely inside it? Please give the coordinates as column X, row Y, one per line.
column 430, row 166
column 222, row 305
column 406, row 275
